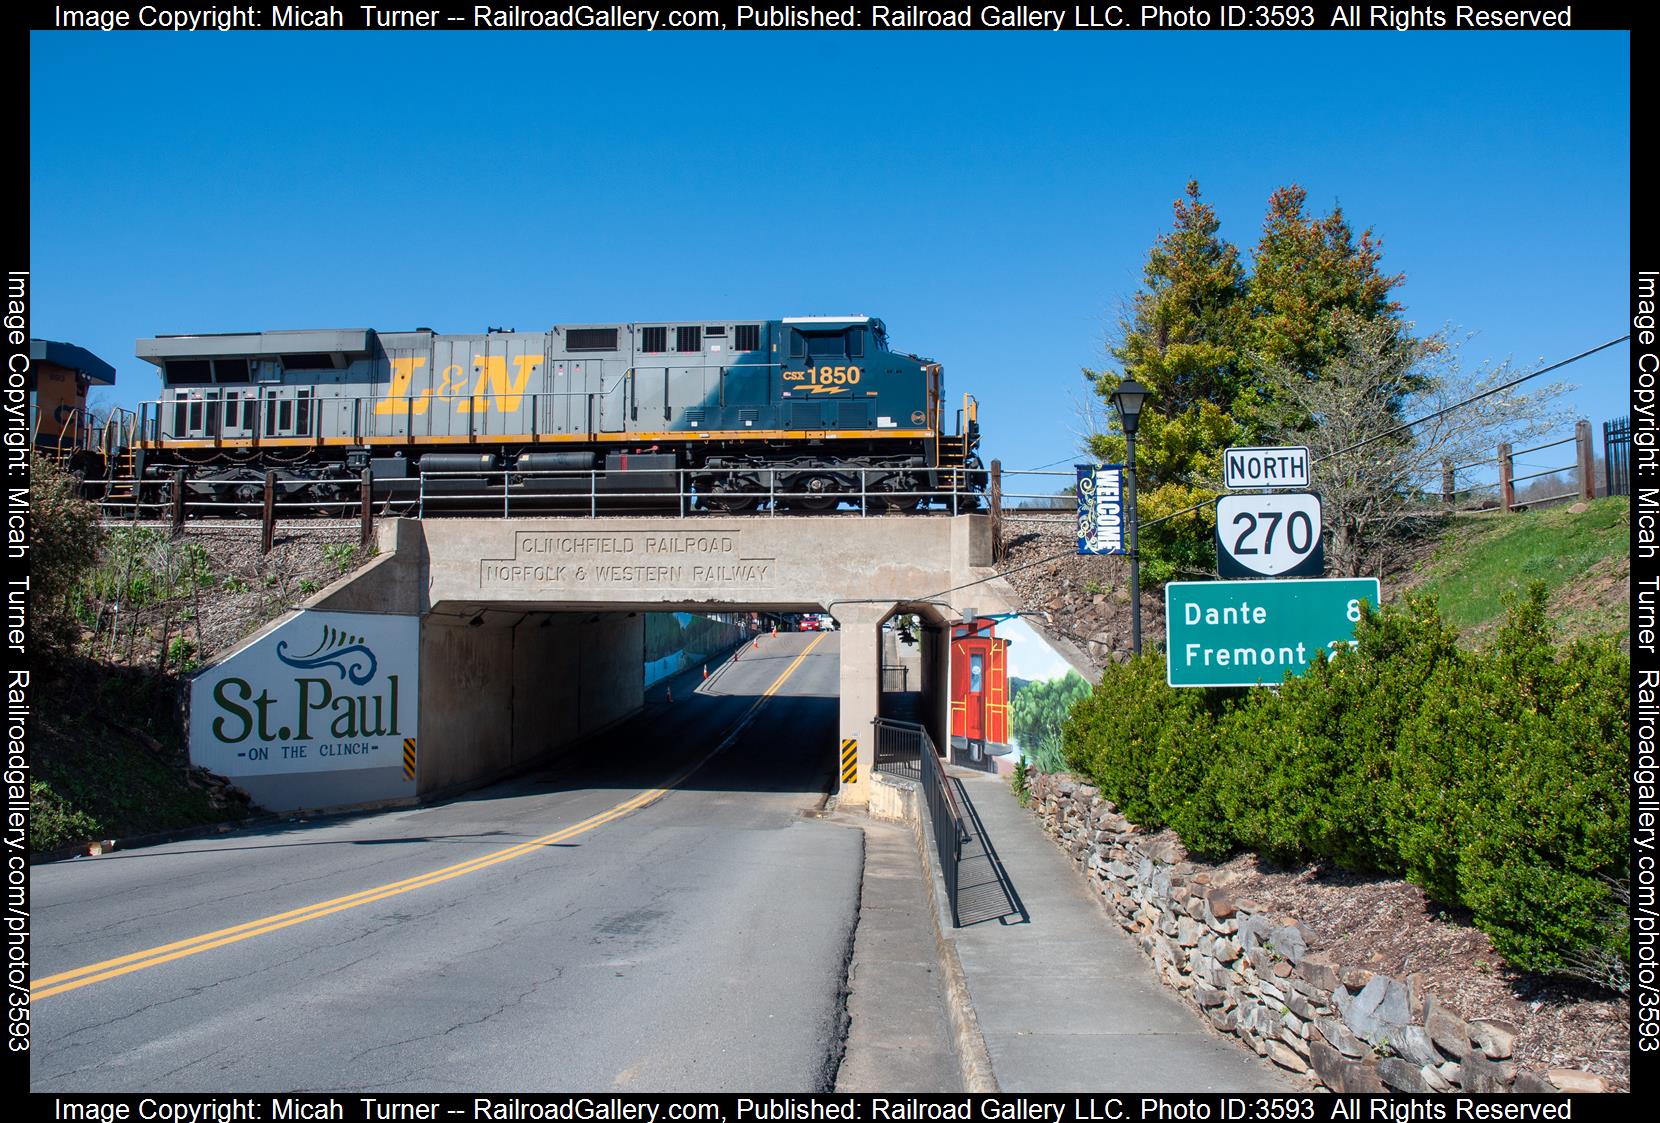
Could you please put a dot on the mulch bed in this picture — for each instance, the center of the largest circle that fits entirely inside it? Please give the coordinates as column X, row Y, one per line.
column 1390, row 927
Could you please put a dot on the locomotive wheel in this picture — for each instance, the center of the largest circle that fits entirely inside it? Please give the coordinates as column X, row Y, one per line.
column 729, row 502
column 729, row 493
column 902, row 503
column 246, row 493
column 821, row 493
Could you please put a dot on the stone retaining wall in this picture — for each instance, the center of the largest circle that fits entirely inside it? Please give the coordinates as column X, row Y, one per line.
column 1263, row 979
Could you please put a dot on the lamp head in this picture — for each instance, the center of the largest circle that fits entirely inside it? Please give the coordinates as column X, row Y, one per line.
column 1128, row 400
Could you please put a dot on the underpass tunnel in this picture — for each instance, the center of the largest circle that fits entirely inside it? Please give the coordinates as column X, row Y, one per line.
column 498, row 658
column 612, row 697
column 502, row 687
column 914, row 686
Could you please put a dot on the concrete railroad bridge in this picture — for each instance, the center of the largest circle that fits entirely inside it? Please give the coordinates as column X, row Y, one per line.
column 530, row 633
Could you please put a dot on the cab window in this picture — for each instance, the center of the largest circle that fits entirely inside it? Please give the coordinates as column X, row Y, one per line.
column 826, row 345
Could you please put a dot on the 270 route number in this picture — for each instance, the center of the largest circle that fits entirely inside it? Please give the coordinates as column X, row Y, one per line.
column 1268, row 535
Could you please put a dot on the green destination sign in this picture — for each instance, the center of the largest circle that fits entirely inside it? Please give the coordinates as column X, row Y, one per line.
column 1247, row 633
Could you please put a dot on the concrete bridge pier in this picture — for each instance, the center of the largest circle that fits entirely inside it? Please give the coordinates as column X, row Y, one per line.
column 861, row 688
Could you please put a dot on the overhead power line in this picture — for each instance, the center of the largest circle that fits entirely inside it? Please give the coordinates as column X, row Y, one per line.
column 1420, row 420
column 1139, row 526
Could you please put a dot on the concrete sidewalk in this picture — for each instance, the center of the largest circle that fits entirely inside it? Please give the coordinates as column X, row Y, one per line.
column 898, row 1037
column 1065, row 1001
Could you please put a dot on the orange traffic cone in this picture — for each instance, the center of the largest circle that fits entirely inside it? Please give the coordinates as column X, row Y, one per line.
column 705, row 670
column 757, row 644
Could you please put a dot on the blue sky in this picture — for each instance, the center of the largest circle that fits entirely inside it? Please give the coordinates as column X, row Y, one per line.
column 991, row 195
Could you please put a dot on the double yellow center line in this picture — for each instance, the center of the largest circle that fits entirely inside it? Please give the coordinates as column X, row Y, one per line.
column 166, row 953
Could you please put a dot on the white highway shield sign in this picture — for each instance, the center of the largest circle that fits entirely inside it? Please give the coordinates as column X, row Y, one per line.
column 1268, row 536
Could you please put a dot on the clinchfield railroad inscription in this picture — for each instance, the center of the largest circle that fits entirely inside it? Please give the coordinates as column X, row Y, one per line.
column 710, row 559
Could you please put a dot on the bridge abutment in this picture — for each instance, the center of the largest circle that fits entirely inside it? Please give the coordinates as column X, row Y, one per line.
column 529, row 635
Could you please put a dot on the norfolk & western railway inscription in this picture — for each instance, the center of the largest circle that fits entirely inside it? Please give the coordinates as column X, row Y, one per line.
column 628, row 559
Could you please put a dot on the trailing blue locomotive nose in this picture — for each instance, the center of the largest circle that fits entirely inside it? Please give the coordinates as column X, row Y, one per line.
column 797, row 411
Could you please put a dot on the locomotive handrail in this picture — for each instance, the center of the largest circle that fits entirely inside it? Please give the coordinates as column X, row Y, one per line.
column 128, row 494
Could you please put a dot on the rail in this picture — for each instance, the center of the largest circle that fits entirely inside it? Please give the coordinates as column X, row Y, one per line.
column 904, row 741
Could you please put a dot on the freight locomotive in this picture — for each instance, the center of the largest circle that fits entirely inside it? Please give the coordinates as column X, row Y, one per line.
column 796, row 413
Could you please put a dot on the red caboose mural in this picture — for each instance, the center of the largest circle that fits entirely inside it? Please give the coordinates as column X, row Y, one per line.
column 979, row 690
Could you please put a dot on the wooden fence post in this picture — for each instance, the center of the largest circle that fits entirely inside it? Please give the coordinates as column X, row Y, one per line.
column 178, row 501
column 995, row 492
column 1586, row 459
column 366, row 513
column 268, row 515
column 1507, row 490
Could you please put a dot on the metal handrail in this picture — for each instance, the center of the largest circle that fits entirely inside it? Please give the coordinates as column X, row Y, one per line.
column 945, row 814
column 1524, row 451
column 1547, row 472
column 502, row 492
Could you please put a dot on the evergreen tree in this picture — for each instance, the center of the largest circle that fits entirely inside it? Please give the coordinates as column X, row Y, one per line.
column 1184, row 341
column 1205, row 338
column 1307, row 271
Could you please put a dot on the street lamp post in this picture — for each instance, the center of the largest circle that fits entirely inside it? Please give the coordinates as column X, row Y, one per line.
column 1128, row 400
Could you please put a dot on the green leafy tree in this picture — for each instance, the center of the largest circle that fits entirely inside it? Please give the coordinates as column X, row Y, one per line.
column 1204, row 336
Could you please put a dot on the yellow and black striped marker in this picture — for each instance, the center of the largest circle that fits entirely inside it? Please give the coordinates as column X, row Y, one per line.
column 850, row 760
column 409, row 758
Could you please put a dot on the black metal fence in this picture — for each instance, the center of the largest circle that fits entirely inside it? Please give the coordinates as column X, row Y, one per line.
column 1616, row 456
column 899, row 747
column 905, row 741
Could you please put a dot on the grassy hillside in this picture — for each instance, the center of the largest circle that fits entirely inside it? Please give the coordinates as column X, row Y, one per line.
column 107, row 748
column 1583, row 558
column 109, row 760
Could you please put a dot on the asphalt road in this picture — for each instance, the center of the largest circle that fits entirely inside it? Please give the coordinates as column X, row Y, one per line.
column 697, row 940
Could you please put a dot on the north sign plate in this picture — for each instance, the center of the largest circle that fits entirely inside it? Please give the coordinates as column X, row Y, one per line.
column 1247, row 469
column 1248, row 633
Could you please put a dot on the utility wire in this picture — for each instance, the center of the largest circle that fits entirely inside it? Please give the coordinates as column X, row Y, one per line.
column 1051, row 464
column 1359, row 444
column 1427, row 417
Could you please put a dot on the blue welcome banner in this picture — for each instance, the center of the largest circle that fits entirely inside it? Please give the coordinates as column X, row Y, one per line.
column 1100, row 508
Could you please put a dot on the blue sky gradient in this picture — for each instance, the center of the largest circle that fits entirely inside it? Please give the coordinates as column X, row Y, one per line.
column 992, row 196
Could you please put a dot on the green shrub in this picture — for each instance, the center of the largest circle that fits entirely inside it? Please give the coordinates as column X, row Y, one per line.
column 1495, row 779
column 1113, row 733
column 53, row 822
column 140, row 567
column 181, row 655
column 64, row 547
